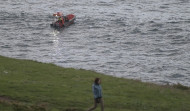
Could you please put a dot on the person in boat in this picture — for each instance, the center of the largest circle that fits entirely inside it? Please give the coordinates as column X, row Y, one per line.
column 61, row 21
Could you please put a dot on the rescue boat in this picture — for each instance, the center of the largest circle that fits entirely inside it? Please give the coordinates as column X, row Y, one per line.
column 61, row 21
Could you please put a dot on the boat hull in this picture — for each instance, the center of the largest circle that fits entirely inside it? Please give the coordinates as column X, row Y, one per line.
column 69, row 19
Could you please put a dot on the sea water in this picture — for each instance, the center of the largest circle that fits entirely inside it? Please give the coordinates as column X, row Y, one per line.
column 148, row 40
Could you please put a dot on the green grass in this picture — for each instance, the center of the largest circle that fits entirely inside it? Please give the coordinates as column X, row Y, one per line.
column 34, row 86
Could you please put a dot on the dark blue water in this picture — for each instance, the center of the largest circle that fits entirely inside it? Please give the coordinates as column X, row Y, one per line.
column 139, row 39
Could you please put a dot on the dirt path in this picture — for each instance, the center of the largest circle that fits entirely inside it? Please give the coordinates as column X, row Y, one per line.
column 7, row 100
column 23, row 105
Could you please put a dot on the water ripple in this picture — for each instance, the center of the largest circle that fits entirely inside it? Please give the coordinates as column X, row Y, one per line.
column 147, row 40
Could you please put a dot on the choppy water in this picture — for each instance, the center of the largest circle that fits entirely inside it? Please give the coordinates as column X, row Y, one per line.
column 139, row 39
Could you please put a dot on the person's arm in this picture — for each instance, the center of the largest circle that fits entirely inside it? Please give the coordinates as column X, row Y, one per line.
column 100, row 92
column 94, row 91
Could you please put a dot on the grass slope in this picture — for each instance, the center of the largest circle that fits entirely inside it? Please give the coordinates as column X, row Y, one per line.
column 32, row 86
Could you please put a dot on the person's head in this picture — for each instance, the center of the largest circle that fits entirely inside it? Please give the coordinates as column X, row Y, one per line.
column 97, row 81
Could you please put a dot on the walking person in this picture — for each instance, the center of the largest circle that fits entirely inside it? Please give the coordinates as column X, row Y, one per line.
column 97, row 91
